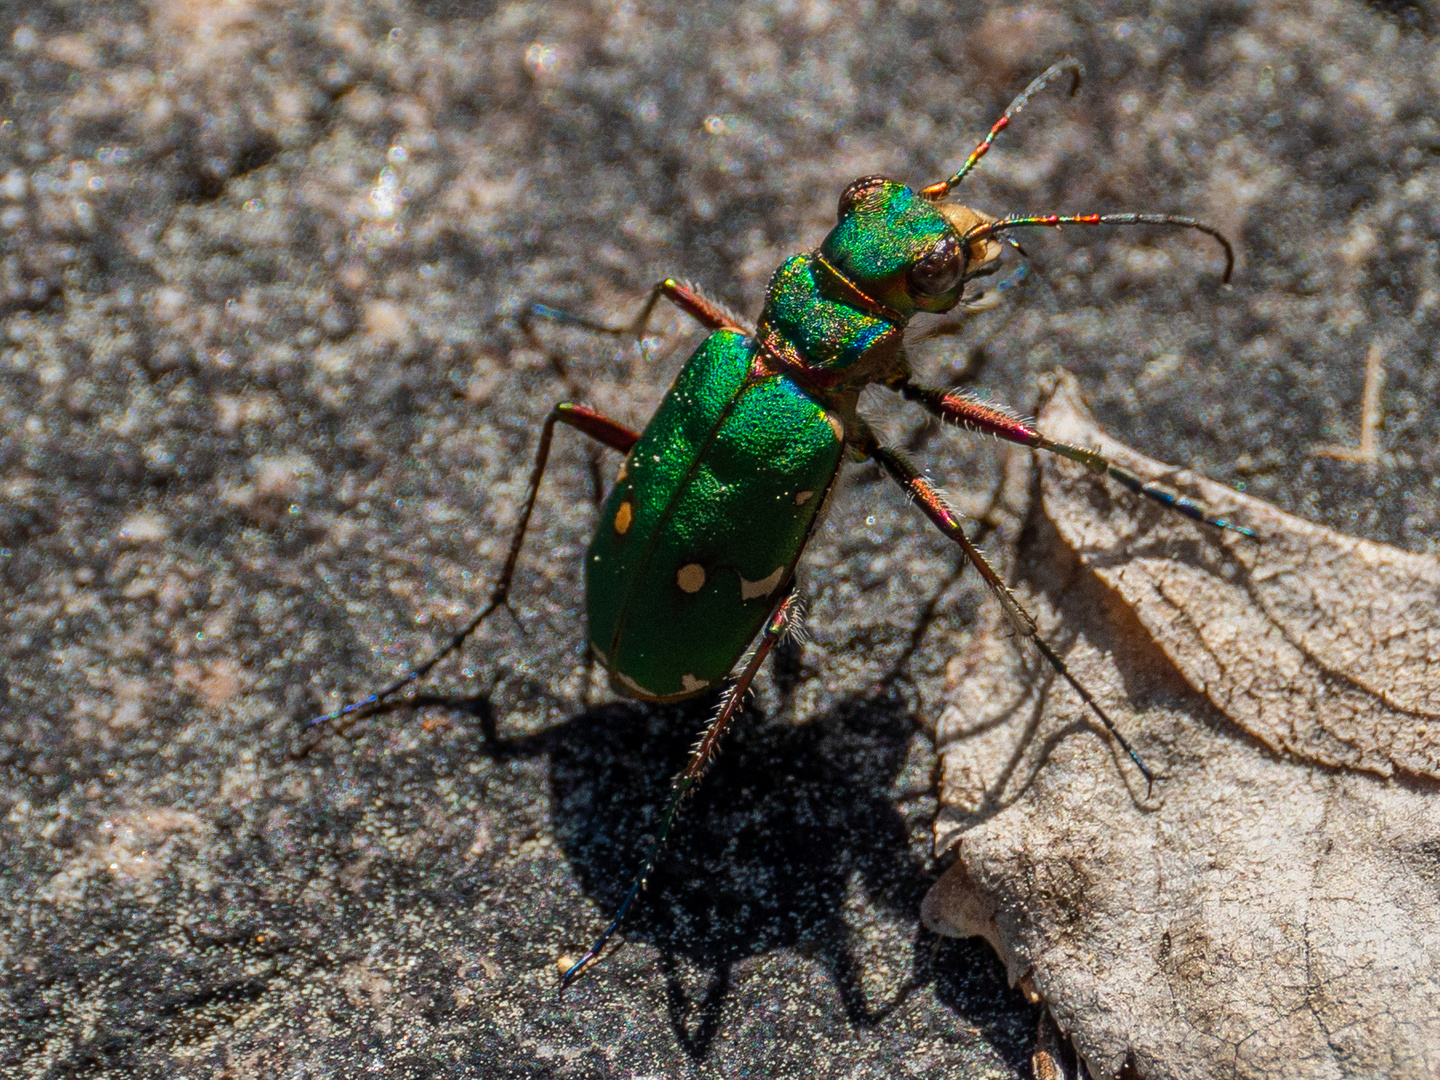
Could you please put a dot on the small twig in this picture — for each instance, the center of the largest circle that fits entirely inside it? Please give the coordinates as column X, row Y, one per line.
column 1371, row 413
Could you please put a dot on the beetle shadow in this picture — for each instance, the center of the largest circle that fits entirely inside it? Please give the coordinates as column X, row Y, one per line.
column 762, row 856
column 790, row 821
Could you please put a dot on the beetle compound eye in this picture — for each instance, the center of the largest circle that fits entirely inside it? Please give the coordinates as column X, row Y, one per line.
column 857, row 191
column 939, row 271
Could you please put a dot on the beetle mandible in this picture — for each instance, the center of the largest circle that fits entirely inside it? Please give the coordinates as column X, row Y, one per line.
column 696, row 546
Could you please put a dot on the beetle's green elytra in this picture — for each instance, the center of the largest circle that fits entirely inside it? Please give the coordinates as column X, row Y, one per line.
column 696, row 546
column 705, row 524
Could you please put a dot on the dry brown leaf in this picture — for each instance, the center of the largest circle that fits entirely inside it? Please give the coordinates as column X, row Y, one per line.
column 1270, row 909
column 1318, row 643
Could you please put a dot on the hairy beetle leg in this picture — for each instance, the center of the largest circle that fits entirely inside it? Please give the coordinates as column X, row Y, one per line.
column 689, row 298
column 600, row 428
column 958, row 409
column 700, row 756
column 944, row 519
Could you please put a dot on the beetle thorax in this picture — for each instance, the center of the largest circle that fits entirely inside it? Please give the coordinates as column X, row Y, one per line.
column 819, row 329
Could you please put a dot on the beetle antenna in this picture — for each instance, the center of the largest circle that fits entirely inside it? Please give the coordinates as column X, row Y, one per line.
column 1054, row 221
column 936, row 192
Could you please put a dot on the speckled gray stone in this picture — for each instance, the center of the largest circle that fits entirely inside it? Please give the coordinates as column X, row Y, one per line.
column 266, row 410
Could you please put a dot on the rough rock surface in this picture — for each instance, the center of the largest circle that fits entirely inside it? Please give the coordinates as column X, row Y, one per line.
column 266, row 409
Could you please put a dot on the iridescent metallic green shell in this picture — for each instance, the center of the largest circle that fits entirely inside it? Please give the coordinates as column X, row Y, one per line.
column 704, row 526
column 716, row 501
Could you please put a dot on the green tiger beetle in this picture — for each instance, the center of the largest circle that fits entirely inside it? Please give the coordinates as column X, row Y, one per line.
column 696, row 549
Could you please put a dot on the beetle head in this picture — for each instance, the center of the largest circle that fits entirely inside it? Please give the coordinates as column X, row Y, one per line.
column 904, row 251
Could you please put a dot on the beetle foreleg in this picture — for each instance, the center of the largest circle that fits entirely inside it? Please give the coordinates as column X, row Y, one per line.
column 957, row 408
column 784, row 614
column 944, row 519
column 689, row 298
column 598, row 427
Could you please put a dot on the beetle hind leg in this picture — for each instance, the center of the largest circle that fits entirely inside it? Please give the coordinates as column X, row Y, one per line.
column 600, row 428
column 785, row 616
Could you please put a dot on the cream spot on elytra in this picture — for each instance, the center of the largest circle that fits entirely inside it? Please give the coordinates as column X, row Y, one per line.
column 691, row 578
column 749, row 590
column 802, row 497
column 623, row 517
column 624, row 471
column 836, row 425
column 693, row 685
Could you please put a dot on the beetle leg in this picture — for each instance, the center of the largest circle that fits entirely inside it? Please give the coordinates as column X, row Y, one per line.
column 944, row 519
column 704, row 750
column 689, row 298
column 957, row 408
column 598, row 427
